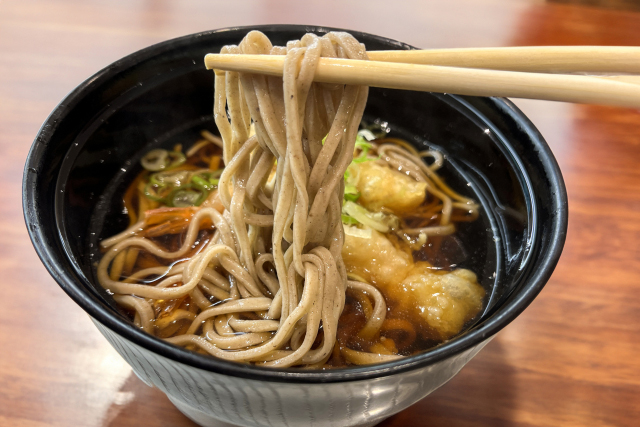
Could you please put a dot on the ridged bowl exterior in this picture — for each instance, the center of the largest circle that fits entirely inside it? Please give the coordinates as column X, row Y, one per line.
column 208, row 397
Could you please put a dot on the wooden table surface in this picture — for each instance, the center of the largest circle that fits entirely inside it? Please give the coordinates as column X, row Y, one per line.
column 572, row 358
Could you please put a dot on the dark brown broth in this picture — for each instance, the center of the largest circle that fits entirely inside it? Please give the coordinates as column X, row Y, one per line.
column 446, row 253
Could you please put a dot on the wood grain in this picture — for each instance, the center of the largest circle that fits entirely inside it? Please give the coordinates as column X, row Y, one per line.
column 572, row 358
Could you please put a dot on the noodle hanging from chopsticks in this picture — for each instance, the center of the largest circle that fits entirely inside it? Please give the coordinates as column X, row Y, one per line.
column 279, row 238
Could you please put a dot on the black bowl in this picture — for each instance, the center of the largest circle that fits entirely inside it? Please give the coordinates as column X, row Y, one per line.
column 88, row 148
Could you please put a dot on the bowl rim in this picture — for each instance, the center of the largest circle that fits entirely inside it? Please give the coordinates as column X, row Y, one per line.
column 104, row 315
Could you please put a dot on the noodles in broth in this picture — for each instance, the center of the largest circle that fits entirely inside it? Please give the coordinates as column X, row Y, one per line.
column 255, row 262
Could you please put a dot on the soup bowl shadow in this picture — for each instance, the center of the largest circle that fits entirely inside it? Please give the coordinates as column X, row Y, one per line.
column 161, row 95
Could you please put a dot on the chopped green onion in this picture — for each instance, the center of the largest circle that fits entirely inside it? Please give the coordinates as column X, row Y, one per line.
column 362, row 143
column 207, row 180
column 155, row 160
column 376, row 129
column 152, row 194
column 351, row 193
column 159, row 159
column 366, row 134
column 201, row 183
column 350, row 189
column 376, row 220
column 177, row 158
column 364, row 147
column 153, row 179
column 352, row 197
column 348, row 220
column 185, row 196
column 362, row 157
column 176, row 178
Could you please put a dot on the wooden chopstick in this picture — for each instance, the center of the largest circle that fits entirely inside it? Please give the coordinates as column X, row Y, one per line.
column 625, row 79
column 545, row 59
column 462, row 81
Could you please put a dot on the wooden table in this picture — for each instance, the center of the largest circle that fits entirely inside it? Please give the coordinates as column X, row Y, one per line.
column 573, row 358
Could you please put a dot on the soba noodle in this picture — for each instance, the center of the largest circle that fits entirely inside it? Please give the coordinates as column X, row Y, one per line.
column 274, row 264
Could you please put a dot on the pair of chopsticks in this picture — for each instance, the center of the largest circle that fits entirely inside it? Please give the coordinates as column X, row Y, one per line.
column 517, row 72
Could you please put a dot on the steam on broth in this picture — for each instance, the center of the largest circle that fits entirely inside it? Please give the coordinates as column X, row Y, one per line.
column 295, row 239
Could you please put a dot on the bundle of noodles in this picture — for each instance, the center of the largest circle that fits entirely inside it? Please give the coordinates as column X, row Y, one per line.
column 274, row 262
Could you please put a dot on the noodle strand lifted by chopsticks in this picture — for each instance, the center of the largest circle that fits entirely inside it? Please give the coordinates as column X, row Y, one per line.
column 278, row 240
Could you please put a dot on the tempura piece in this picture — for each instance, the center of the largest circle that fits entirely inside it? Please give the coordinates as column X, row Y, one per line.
column 382, row 188
column 370, row 255
column 445, row 300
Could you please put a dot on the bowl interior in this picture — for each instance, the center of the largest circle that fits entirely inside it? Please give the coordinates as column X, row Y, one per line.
column 89, row 149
